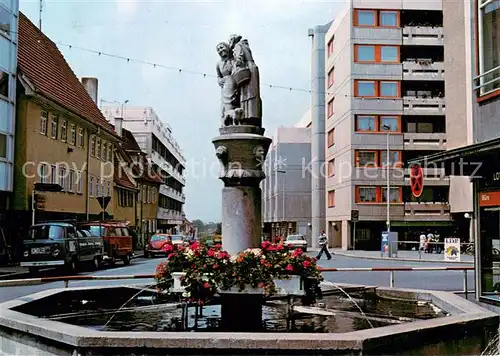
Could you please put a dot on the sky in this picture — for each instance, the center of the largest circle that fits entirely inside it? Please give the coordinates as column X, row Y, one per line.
column 183, row 34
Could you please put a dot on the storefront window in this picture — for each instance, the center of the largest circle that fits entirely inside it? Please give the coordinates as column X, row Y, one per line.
column 489, row 44
column 490, row 245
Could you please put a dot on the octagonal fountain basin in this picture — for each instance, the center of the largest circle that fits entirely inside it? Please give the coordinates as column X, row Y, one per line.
column 351, row 320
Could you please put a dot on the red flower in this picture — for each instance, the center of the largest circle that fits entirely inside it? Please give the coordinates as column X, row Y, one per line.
column 195, row 246
column 218, row 247
column 261, row 285
column 297, row 252
column 265, row 245
column 210, row 253
column 306, row 264
column 171, row 255
column 206, row 285
column 215, row 266
column 167, row 247
column 289, row 268
column 280, row 247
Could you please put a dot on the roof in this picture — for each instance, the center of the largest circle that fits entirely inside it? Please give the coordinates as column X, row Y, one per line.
column 121, row 178
column 129, row 142
column 41, row 62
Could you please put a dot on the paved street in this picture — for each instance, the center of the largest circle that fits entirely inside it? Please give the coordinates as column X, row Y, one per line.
column 441, row 280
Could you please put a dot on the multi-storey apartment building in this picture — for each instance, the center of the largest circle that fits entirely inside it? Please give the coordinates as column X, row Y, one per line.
column 62, row 139
column 385, row 105
column 155, row 138
column 472, row 49
column 8, row 67
column 286, row 191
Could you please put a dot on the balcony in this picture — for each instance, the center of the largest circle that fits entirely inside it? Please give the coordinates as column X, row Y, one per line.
column 427, row 212
column 172, row 193
column 163, row 164
column 173, row 217
column 413, row 105
column 432, row 177
column 423, row 36
column 424, row 141
column 423, row 69
column 379, row 211
column 379, row 105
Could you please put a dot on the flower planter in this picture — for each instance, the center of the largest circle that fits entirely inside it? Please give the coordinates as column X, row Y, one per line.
column 294, row 286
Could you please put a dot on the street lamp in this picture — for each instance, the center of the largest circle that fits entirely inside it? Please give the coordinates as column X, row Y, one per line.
column 123, row 105
column 283, row 192
column 387, row 128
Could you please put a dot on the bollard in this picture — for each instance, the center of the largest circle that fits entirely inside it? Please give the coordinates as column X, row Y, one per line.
column 66, row 283
column 391, row 279
column 466, row 287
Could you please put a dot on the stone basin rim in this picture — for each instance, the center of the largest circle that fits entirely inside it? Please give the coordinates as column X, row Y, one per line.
column 79, row 336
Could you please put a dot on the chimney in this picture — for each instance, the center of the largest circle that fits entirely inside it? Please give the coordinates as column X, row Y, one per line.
column 90, row 85
column 118, row 126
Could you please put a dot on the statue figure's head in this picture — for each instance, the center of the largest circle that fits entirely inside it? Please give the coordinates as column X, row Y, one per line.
column 233, row 39
column 259, row 154
column 221, row 152
column 223, row 49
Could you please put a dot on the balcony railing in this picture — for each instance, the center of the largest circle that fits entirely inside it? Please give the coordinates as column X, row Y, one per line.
column 172, row 193
column 420, row 35
column 427, row 211
column 163, row 164
column 168, row 214
column 423, row 69
column 425, row 141
column 413, row 105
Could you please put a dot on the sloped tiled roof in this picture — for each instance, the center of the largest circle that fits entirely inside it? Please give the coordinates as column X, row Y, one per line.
column 129, row 141
column 121, row 178
column 43, row 64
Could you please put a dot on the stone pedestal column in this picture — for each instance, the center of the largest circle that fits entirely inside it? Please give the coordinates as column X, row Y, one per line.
column 242, row 150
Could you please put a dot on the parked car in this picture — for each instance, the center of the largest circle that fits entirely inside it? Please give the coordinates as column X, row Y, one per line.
column 60, row 245
column 177, row 239
column 155, row 245
column 296, row 241
column 117, row 239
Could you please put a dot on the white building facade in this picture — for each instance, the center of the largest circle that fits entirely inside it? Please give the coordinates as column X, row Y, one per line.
column 9, row 13
column 155, row 138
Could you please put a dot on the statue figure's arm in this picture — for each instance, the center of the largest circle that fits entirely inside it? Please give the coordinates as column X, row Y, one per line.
column 239, row 55
column 220, row 77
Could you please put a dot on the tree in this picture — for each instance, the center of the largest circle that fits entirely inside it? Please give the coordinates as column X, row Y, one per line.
column 198, row 224
column 218, row 230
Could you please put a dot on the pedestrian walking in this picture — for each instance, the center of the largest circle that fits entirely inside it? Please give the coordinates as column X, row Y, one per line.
column 323, row 242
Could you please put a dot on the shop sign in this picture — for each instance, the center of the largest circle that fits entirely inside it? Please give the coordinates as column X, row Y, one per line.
column 489, row 198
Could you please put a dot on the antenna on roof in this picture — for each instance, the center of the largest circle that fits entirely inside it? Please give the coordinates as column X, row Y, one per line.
column 40, row 19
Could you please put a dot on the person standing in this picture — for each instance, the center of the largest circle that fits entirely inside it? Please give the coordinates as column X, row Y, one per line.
column 323, row 242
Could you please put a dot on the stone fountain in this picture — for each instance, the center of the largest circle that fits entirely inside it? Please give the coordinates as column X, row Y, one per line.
column 241, row 147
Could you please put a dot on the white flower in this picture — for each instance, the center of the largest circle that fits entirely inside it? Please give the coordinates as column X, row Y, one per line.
column 234, row 258
column 256, row 251
column 186, row 294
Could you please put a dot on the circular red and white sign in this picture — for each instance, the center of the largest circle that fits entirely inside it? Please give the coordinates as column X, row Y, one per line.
column 416, row 180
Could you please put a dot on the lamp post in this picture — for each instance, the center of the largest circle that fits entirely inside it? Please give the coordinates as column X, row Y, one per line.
column 123, row 106
column 283, row 195
column 387, row 128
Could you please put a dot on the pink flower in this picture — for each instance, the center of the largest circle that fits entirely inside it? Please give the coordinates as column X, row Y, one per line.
column 289, row 268
column 210, row 253
column 218, row 247
column 206, row 285
column 297, row 252
column 195, row 246
column 280, row 247
column 265, row 245
column 306, row 264
column 215, row 266
column 167, row 247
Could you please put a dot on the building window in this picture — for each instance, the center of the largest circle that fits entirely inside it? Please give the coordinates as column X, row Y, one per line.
column 80, row 137
column 330, row 47
column 110, row 153
column 55, row 126
column 366, row 195
column 364, row 53
column 331, row 198
column 389, row 89
column 394, row 195
column 44, row 117
column 389, row 54
column 98, row 148
column 366, row 158
column 366, row 88
column 394, row 158
column 99, row 188
column 365, row 18
column 331, row 168
column 331, row 137
column 390, row 123
column 4, row 81
column 71, row 181
column 72, row 136
column 389, row 18
column 365, row 123
column 91, row 187
column 43, row 173
column 53, row 174
column 63, row 178
column 330, row 78
column 3, row 146
column 64, row 130
column 92, row 146
column 104, row 151
column 489, row 46
column 79, row 183
column 329, row 109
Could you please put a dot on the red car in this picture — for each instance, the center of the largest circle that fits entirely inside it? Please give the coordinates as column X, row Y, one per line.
column 156, row 244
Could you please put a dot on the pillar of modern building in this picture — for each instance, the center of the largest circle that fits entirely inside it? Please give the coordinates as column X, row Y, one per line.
column 318, row 202
column 346, row 235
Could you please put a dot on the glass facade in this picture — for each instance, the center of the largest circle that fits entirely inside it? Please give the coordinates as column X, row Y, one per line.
column 9, row 10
